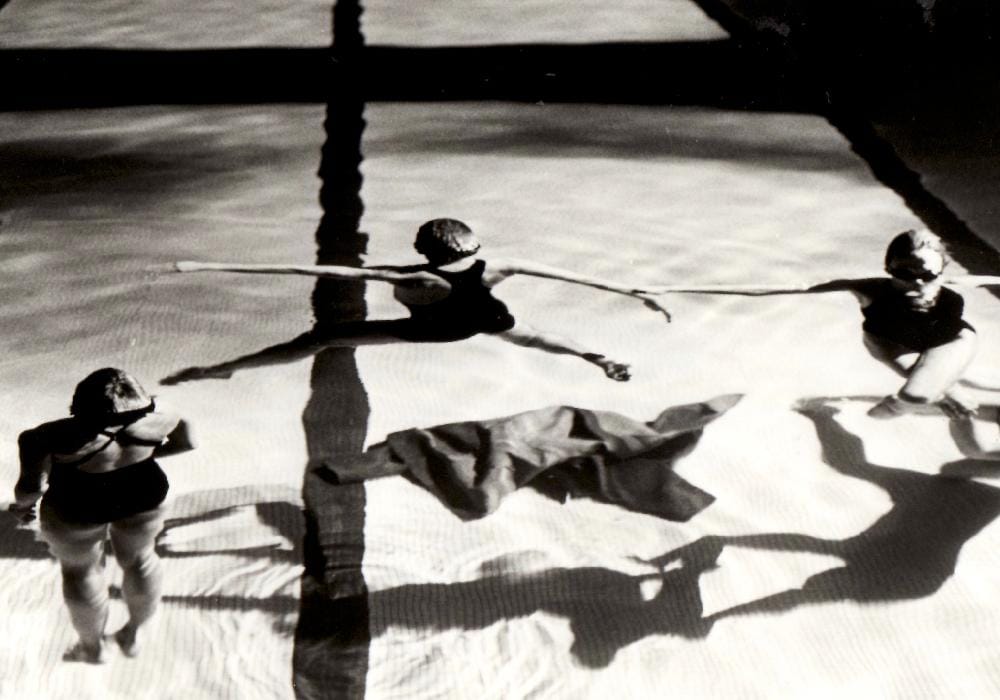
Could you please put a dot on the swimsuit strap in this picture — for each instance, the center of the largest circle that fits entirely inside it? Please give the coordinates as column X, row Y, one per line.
column 112, row 436
column 86, row 458
column 128, row 439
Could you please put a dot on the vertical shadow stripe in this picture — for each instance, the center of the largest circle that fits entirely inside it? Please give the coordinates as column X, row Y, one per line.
column 330, row 659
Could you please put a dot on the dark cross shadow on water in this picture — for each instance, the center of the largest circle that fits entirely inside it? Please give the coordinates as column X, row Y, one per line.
column 330, row 656
column 908, row 553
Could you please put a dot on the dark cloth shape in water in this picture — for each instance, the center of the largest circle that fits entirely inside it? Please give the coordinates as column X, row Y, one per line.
column 473, row 466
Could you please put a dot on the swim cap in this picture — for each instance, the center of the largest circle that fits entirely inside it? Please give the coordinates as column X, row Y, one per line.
column 909, row 242
column 445, row 240
column 108, row 395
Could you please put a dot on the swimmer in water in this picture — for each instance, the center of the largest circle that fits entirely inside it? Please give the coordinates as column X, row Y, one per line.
column 449, row 298
column 912, row 323
column 103, row 482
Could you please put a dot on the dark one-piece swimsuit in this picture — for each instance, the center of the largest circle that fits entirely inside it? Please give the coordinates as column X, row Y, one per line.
column 94, row 498
column 895, row 317
column 470, row 308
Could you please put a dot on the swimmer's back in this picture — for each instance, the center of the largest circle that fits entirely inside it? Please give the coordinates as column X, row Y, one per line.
column 73, row 443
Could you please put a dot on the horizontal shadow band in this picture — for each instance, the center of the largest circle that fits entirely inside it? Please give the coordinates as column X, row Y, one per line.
column 711, row 73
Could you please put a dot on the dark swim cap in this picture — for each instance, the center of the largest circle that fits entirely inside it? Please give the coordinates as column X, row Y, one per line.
column 909, row 242
column 445, row 240
column 109, row 394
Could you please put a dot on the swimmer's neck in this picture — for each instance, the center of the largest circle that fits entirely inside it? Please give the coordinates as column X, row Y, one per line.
column 458, row 265
column 927, row 291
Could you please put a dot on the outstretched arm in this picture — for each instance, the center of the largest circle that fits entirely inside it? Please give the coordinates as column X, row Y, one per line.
column 842, row 285
column 380, row 274
column 972, row 280
column 507, row 268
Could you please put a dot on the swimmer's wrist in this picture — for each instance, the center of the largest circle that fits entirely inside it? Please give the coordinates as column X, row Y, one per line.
column 25, row 499
column 25, row 514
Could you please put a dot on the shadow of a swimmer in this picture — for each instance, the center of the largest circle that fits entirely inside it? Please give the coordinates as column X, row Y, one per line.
column 907, row 553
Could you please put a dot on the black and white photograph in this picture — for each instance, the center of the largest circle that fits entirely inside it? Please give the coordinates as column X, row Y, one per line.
column 484, row 350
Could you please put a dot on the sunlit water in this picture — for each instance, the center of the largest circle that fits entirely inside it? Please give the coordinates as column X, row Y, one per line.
column 91, row 199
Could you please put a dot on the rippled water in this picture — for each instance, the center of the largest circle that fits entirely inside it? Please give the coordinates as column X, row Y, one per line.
column 146, row 24
column 92, row 198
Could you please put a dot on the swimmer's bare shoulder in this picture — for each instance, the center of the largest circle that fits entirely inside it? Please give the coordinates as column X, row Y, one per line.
column 412, row 282
column 864, row 288
column 63, row 440
column 497, row 270
column 53, row 437
column 166, row 427
column 154, row 426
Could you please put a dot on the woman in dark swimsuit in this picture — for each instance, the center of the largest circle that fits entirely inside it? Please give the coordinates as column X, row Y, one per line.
column 449, row 298
column 103, row 481
column 912, row 322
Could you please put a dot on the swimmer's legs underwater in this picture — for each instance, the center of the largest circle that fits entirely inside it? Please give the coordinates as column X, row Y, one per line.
column 80, row 551
column 133, row 540
column 359, row 333
column 931, row 376
column 350, row 334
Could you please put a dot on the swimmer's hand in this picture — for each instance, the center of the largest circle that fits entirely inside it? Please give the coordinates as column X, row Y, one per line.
column 161, row 268
column 24, row 514
column 653, row 304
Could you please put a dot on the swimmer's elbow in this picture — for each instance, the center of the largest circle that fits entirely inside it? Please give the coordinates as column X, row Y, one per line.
column 505, row 267
column 30, row 442
column 181, row 439
column 831, row 286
